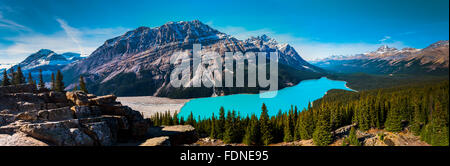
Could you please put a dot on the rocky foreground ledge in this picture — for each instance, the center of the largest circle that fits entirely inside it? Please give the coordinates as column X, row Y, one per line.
column 31, row 117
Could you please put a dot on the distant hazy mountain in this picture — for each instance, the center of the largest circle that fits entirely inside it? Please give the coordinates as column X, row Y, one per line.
column 6, row 66
column 433, row 59
column 48, row 61
column 137, row 62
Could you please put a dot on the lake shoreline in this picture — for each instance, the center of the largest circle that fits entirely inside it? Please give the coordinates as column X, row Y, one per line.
column 150, row 105
column 298, row 95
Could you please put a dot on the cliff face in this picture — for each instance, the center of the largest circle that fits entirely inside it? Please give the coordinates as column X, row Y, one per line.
column 140, row 58
column 38, row 117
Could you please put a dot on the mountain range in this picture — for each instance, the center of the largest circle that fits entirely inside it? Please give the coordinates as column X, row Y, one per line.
column 47, row 61
column 433, row 59
column 137, row 62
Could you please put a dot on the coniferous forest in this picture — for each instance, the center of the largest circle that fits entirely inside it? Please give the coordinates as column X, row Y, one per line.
column 421, row 108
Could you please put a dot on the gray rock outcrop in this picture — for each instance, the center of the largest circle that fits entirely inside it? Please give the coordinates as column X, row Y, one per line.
column 32, row 117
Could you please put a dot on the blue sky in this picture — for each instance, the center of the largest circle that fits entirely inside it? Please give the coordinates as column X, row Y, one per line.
column 316, row 28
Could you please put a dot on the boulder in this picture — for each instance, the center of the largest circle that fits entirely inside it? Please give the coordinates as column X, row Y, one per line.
column 28, row 97
column 57, row 133
column 60, row 114
column 45, row 96
column 27, row 106
column 22, row 88
column 373, row 141
column 58, row 97
column 6, row 118
column 19, row 139
column 85, row 112
column 47, row 115
column 179, row 134
column 158, row 141
column 100, row 132
column 79, row 98
column 120, row 121
column 30, row 116
column 118, row 125
column 103, row 100
column 343, row 131
column 132, row 115
column 13, row 127
column 80, row 138
column 139, row 128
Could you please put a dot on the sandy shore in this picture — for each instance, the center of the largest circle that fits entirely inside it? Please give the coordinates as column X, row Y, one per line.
column 150, row 105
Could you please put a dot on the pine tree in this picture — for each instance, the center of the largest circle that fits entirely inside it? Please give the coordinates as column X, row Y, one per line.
column 83, row 85
column 213, row 134
column 287, row 131
column 5, row 80
column 419, row 118
column 228, row 135
column 305, row 125
column 352, row 138
column 59, row 84
column 297, row 129
column 248, row 136
column 30, row 79
column 252, row 132
column 41, row 80
column 53, row 82
column 393, row 121
column 221, row 123
column 265, row 126
column 175, row 119
column 19, row 78
column 439, row 126
column 190, row 120
column 322, row 134
column 13, row 76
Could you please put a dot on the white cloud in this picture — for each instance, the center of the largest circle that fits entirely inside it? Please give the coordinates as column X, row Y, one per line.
column 385, row 38
column 69, row 39
column 11, row 25
column 72, row 33
column 309, row 49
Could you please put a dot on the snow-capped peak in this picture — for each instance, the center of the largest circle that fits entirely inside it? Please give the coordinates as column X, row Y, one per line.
column 385, row 48
column 47, row 60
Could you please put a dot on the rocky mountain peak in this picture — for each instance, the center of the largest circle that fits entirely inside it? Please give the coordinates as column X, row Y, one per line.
column 262, row 40
column 385, row 48
column 47, row 60
column 44, row 51
column 144, row 38
column 41, row 54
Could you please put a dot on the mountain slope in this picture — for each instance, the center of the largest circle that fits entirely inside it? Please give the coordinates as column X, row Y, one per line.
column 433, row 59
column 137, row 62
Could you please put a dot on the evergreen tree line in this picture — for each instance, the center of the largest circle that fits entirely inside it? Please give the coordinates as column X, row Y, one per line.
column 57, row 84
column 422, row 109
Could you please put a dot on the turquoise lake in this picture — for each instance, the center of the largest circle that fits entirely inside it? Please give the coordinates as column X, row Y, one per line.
column 247, row 104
